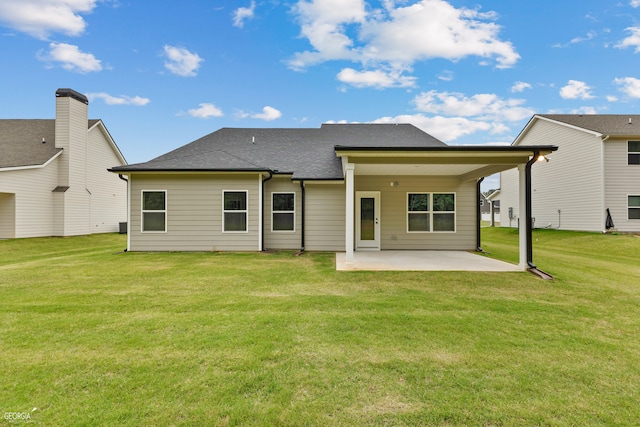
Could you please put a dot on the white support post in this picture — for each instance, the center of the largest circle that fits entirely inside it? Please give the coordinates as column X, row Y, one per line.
column 349, row 219
column 522, row 223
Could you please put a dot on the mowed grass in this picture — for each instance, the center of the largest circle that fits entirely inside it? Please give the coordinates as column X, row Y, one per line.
column 91, row 335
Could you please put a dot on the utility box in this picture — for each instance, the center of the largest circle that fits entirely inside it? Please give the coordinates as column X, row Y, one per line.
column 123, row 228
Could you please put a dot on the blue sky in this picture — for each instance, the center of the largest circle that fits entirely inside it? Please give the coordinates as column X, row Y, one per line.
column 161, row 74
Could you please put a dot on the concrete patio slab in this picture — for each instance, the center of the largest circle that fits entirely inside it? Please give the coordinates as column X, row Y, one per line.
column 421, row 261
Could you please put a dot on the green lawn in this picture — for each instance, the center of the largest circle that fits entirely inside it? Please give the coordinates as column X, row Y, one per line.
column 91, row 335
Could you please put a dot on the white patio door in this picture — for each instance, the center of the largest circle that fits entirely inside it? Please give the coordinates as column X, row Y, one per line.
column 368, row 220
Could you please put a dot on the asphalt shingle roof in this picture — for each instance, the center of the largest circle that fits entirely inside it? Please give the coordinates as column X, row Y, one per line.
column 306, row 153
column 606, row 124
column 21, row 141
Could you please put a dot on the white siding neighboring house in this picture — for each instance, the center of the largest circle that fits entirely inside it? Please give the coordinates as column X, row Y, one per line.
column 53, row 174
column 597, row 168
column 356, row 187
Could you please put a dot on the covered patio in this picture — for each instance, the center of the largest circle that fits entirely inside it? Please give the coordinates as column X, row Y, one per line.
column 462, row 166
column 421, row 261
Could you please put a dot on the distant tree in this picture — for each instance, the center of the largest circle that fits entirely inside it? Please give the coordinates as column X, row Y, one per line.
column 489, row 192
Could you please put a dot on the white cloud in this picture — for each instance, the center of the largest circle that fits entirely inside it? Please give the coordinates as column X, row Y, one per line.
column 446, row 76
column 520, row 87
column 181, row 62
column 630, row 86
column 635, row 3
column 243, row 13
column 633, row 40
column 576, row 89
column 584, row 110
column 397, row 36
column 445, row 129
column 39, row 18
column 119, row 100
column 378, row 78
column 205, row 110
column 484, row 106
column 612, row 98
column 268, row 114
column 71, row 58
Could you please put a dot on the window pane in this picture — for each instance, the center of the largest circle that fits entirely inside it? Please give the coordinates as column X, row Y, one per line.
column 367, row 218
column 634, row 146
column 283, row 202
column 153, row 201
column 235, row 221
column 235, row 201
column 283, row 221
column 418, row 202
column 634, row 213
column 634, row 159
column 443, row 222
column 634, row 201
column 443, row 202
column 418, row 222
column 153, row 221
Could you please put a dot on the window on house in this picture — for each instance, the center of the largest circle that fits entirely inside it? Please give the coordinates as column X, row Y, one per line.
column 428, row 212
column 634, row 152
column 234, row 211
column 283, row 212
column 154, row 211
column 418, row 217
column 444, row 212
column 634, row 207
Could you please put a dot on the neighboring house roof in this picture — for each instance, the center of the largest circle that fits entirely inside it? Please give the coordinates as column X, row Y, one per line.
column 306, row 153
column 495, row 196
column 21, row 142
column 605, row 124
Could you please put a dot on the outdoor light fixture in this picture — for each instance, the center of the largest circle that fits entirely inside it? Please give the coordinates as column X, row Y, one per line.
column 542, row 158
column 394, row 183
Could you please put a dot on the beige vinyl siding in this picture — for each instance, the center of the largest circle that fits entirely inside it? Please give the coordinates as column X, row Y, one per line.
column 33, row 199
column 324, row 216
column 7, row 215
column 71, row 135
column 572, row 180
column 194, row 212
column 621, row 180
column 108, row 191
column 282, row 239
column 393, row 214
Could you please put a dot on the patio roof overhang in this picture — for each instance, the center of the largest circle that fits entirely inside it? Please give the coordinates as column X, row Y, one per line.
column 465, row 162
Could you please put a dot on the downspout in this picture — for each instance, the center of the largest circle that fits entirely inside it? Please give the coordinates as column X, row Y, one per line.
column 262, row 226
column 529, row 223
column 528, row 210
column 478, row 216
column 302, row 217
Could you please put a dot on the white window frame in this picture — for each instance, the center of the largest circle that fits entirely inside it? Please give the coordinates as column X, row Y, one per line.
column 632, row 207
column 245, row 211
column 431, row 212
column 428, row 212
column 454, row 212
column 273, row 212
column 143, row 211
column 632, row 152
